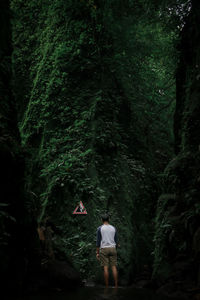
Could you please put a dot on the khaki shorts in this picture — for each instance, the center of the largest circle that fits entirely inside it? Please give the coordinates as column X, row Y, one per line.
column 108, row 256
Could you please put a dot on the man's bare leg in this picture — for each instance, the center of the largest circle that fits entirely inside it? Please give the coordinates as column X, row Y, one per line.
column 115, row 275
column 106, row 275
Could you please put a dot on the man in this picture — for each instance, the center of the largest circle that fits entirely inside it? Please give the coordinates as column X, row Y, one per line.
column 106, row 248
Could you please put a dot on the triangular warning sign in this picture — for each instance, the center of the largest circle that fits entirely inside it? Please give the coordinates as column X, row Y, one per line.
column 80, row 209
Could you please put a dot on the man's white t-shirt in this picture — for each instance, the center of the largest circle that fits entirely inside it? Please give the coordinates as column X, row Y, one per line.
column 106, row 236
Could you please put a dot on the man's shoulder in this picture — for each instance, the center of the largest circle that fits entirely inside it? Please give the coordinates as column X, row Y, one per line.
column 113, row 228
column 99, row 227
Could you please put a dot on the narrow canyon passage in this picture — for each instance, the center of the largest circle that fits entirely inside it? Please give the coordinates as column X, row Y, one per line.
column 100, row 110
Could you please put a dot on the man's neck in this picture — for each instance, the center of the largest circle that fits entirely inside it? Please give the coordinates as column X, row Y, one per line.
column 105, row 223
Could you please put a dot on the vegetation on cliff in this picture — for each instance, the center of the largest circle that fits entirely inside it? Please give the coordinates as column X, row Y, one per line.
column 177, row 227
column 95, row 91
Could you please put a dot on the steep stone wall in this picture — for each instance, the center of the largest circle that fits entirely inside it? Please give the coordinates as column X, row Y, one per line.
column 12, row 166
column 178, row 211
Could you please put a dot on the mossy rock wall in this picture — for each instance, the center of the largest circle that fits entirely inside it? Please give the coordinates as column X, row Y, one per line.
column 178, row 220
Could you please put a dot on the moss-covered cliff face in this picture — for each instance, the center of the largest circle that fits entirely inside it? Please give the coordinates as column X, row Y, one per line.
column 178, row 220
column 84, row 121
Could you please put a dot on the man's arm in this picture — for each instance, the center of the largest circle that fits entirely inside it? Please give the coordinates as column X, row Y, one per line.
column 98, row 241
column 116, row 238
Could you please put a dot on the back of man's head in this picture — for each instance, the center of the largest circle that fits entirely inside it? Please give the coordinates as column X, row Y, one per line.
column 105, row 217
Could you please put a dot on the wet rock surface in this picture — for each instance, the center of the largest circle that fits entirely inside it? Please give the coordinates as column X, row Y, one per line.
column 55, row 275
column 62, row 274
column 100, row 293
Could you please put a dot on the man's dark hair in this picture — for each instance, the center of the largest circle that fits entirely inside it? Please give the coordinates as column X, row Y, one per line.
column 105, row 217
